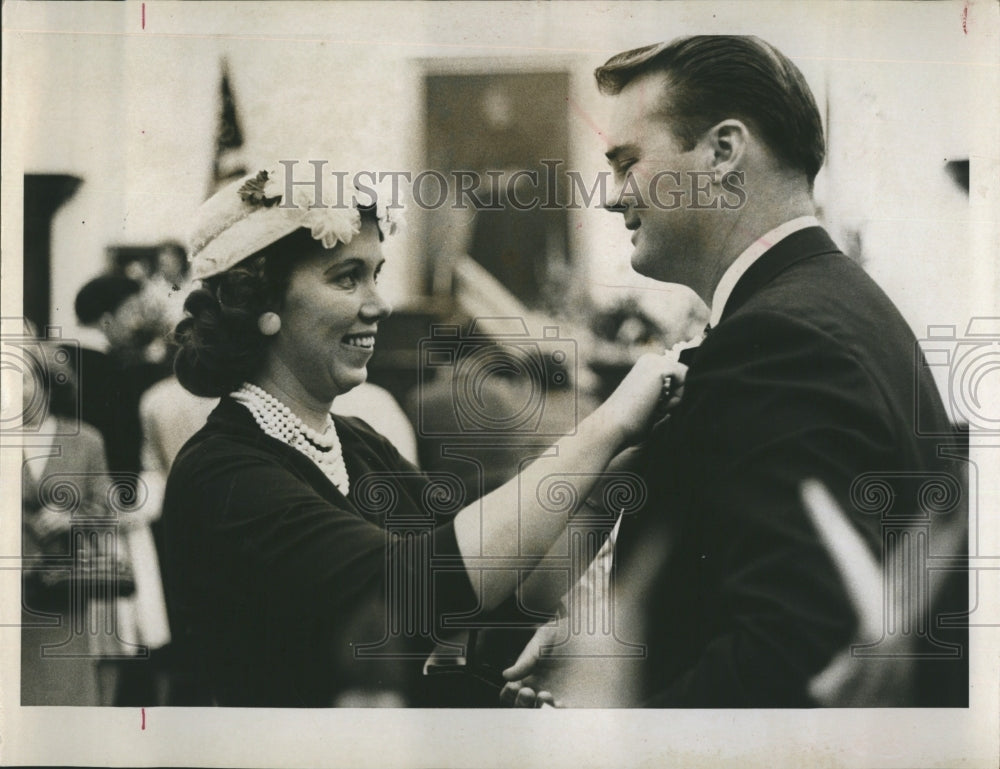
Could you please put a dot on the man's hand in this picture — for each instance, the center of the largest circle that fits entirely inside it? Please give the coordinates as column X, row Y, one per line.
column 529, row 671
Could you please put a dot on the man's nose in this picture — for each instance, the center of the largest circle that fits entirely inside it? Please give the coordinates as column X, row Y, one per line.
column 615, row 206
column 615, row 203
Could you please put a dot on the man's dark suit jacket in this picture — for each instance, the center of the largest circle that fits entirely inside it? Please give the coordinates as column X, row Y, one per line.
column 811, row 373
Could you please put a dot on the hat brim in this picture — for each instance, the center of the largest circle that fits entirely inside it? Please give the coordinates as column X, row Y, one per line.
column 244, row 238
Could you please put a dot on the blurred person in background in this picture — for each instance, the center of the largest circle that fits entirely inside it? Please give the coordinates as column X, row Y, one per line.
column 65, row 490
column 114, row 369
column 170, row 283
column 282, row 557
column 113, row 378
column 383, row 413
column 164, row 287
column 169, row 415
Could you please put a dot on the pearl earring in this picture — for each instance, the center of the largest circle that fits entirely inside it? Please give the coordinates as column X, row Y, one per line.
column 269, row 323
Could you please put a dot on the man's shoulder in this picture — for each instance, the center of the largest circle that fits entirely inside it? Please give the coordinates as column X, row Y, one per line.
column 828, row 298
column 821, row 334
column 822, row 284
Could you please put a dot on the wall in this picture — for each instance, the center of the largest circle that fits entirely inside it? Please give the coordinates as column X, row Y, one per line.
column 132, row 111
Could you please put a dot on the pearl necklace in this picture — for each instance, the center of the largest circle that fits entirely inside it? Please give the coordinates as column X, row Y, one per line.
column 279, row 422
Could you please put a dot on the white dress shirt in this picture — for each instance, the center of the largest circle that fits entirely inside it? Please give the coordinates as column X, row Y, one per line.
column 754, row 252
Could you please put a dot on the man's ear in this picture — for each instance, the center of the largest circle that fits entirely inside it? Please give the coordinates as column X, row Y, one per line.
column 727, row 142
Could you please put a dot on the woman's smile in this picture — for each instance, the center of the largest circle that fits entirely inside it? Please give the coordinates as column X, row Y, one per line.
column 364, row 341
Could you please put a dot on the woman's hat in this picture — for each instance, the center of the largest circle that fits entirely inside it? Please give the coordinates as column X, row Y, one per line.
column 251, row 213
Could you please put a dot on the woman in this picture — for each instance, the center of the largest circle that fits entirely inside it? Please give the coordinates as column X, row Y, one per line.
column 75, row 610
column 299, row 545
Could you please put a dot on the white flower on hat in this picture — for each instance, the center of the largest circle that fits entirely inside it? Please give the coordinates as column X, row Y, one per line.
column 332, row 225
column 328, row 220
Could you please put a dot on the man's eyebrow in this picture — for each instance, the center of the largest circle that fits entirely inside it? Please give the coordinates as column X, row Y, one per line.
column 617, row 151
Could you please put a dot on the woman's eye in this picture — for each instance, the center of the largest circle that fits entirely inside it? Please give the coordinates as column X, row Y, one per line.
column 347, row 280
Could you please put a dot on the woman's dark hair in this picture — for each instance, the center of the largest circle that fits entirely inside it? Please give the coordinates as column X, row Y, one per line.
column 714, row 77
column 220, row 346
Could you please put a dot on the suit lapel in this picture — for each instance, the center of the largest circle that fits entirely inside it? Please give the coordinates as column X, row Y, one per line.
column 800, row 245
column 687, row 355
column 803, row 244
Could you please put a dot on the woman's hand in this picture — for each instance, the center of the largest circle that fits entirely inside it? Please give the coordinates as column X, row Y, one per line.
column 513, row 519
column 654, row 386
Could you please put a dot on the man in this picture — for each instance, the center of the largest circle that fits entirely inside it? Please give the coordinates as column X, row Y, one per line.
column 809, row 372
column 113, row 376
column 114, row 371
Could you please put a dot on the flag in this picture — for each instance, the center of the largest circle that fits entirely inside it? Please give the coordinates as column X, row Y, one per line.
column 227, row 164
